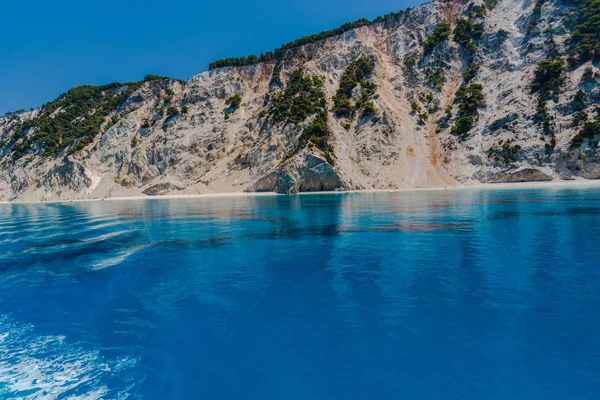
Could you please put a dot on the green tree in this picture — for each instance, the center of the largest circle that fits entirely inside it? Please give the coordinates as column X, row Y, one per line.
column 466, row 33
column 469, row 98
column 172, row 111
column 440, row 33
column 234, row 101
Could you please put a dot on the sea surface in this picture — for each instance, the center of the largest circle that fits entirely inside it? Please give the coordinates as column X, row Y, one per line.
column 467, row 294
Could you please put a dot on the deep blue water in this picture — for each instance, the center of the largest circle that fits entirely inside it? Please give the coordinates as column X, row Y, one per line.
column 425, row 295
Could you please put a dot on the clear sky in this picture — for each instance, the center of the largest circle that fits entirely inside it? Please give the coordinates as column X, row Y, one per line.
column 51, row 46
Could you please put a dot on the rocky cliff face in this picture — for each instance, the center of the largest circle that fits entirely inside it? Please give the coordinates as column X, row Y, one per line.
column 439, row 106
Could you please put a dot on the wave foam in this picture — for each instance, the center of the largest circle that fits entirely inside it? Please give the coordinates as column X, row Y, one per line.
column 49, row 367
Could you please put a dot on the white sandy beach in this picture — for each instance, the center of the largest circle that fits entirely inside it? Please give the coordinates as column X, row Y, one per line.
column 556, row 184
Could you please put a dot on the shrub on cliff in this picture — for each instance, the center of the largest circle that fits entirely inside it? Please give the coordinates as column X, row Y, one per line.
column 507, row 154
column 317, row 133
column 590, row 130
column 466, row 33
column 469, row 99
column 470, row 72
column 234, row 101
column 172, row 111
column 548, row 77
column 439, row 34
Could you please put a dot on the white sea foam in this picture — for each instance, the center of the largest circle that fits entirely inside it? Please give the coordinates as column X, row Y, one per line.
column 48, row 367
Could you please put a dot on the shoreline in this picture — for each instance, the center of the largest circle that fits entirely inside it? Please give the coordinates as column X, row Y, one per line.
column 557, row 184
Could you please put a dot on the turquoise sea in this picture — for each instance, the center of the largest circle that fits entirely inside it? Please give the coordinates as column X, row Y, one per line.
column 466, row 294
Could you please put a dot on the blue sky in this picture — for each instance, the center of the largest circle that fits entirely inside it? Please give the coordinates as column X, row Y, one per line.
column 51, row 46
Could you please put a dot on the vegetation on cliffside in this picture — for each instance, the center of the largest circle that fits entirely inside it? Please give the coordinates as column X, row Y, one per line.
column 318, row 133
column 302, row 98
column 467, row 32
column 547, row 81
column 586, row 33
column 440, row 33
column 71, row 121
column 548, row 78
column 358, row 73
column 590, row 132
column 279, row 53
column 469, row 99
